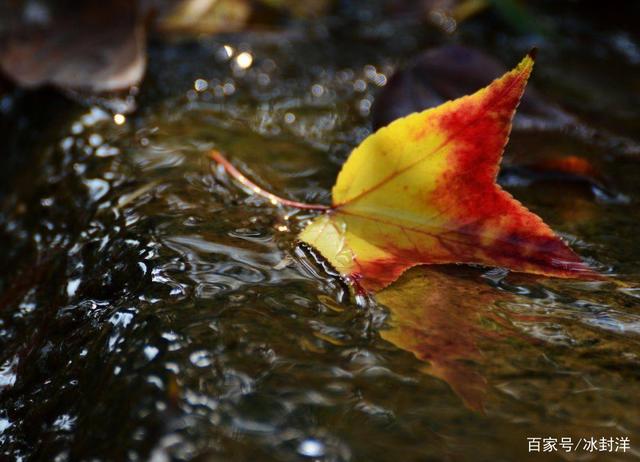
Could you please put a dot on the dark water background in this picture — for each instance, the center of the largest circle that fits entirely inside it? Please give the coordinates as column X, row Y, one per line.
column 151, row 310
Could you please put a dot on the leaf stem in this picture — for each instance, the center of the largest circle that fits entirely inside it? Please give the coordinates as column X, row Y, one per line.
column 246, row 182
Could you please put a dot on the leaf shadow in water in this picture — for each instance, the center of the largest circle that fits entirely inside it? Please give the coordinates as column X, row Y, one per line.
column 443, row 316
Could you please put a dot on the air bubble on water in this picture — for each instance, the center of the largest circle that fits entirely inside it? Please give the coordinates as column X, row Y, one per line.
column 67, row 143
column 94, row 116
column 228, row 88
column 311, row 448
column 151, row 352
column 200, row 85
column 370, row 71
column 360, row 85
column 344, row 75
column 365, row 107
column 95, row 140
column 77, row 128
column 107, row 151
column 200, row 358
column 317, row 90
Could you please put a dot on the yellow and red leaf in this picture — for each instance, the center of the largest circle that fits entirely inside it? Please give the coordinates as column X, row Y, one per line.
column 423, row 190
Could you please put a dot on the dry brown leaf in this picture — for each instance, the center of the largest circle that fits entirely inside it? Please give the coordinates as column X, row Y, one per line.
column 96, row 48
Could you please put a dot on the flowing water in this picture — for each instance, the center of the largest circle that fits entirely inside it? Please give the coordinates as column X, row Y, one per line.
column 151, row 309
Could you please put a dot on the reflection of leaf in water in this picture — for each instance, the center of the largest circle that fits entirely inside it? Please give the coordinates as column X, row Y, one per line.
column 95, row 47
column 440, row 317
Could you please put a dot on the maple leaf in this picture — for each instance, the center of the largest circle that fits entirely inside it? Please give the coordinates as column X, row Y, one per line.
column 423, row 190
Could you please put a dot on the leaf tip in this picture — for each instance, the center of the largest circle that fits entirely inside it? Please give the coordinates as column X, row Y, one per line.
column 525, row 66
